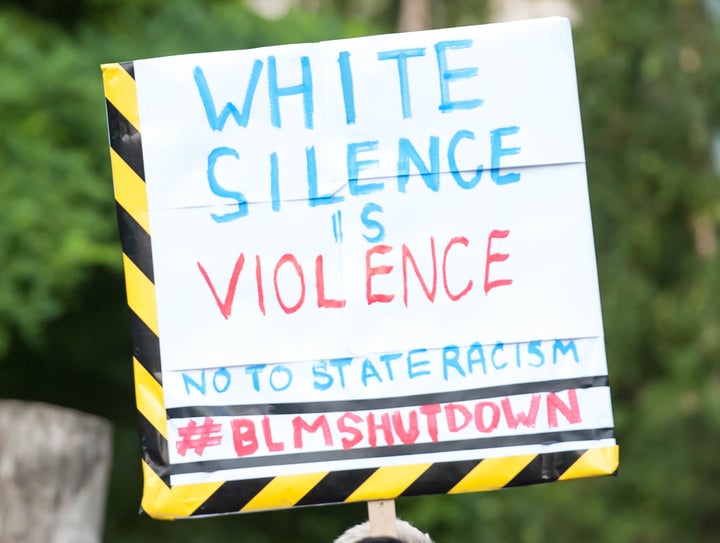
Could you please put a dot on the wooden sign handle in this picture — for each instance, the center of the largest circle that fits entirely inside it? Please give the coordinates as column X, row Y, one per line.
column 382, row 518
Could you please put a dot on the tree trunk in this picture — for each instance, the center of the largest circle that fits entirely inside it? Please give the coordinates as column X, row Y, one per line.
column 415, row 15
column 54, row 470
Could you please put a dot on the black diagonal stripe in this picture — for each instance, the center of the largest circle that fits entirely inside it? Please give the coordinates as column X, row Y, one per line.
column 336, row 486
column 146, row 346
column 388, row 403
column 546, row 468
column 154, row 449
column 129, row 67
column 440, row 478
column 232, row 496
column 125, row 139
column 135, row 242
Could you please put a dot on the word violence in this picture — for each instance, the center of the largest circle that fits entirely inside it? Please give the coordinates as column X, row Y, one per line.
column 380, row 260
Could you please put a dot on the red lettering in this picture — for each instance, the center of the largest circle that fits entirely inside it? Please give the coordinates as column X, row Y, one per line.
column 495, row 257
column 292, row 260
column 407, row 256
column 571, row 412
column 431, row 411
column 320, row 423
column 384, row 426
column 258, row 279
column 450, row 414
column 320, row 285
column 409, row 436
column 376, row 270
column 454, row 297
column 349, row 443
column 526, row 419
column 273, row 446
column 225, row 306
column 244, row 436
column 480, row 417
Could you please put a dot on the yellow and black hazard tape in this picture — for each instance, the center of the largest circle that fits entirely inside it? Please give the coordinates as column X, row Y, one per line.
column 160, row 499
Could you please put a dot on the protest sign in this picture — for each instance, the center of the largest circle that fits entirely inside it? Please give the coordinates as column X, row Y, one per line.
column 360, row 269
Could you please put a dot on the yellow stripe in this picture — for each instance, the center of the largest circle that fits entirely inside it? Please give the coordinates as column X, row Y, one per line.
column 149, row 398
column 284, row 491
column 162, row 502
column 492, row 473
column 388, row 482
column 130, row 190
column 141, row 294
column 120, row 90
column 595, row 462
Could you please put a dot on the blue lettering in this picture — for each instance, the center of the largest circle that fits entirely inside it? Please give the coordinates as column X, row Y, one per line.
column 499, row 346
column 368, row 371
column 255, row 371
column 475, row 355
column 319, row 373
column 462, row 183
column 387, row 358
column 340, row 364
column 498, row 151
column 224, row 374
column 534, row 348
column 222, row 192
column 305, row 88
column 446, row 76
column 401, row 55
column 274, row 182
column 217, row 122
column 280, row 370
column 314, row 199
column 406, row 153
column 412, row 364
column 372, row 224
column 347, row 86
column 451, row 357
column 564, row 349
column 189, row 381
column 356, row 166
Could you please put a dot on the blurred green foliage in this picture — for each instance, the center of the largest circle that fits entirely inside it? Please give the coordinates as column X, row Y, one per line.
column 649, row 81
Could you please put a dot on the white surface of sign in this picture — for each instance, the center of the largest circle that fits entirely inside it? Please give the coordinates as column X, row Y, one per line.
column 374, row 242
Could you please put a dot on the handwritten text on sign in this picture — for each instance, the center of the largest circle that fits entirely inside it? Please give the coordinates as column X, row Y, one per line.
column 322, row 211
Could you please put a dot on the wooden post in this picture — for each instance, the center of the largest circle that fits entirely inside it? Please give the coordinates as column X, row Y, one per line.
column 414, row 15
column 54, row 471
column 383, row 521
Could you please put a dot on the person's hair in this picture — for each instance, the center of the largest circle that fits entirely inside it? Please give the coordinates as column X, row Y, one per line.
column 407, row 533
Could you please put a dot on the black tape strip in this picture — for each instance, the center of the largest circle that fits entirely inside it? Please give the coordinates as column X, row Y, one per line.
column 336, row 486
column 440, row 478
column 388, row 403
column 592, row 434
column 155, row 449
column 135, row 242
column 129, row 68
column 545, row 468
column 146, row 346
column 125, row 139
column 232, row 496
